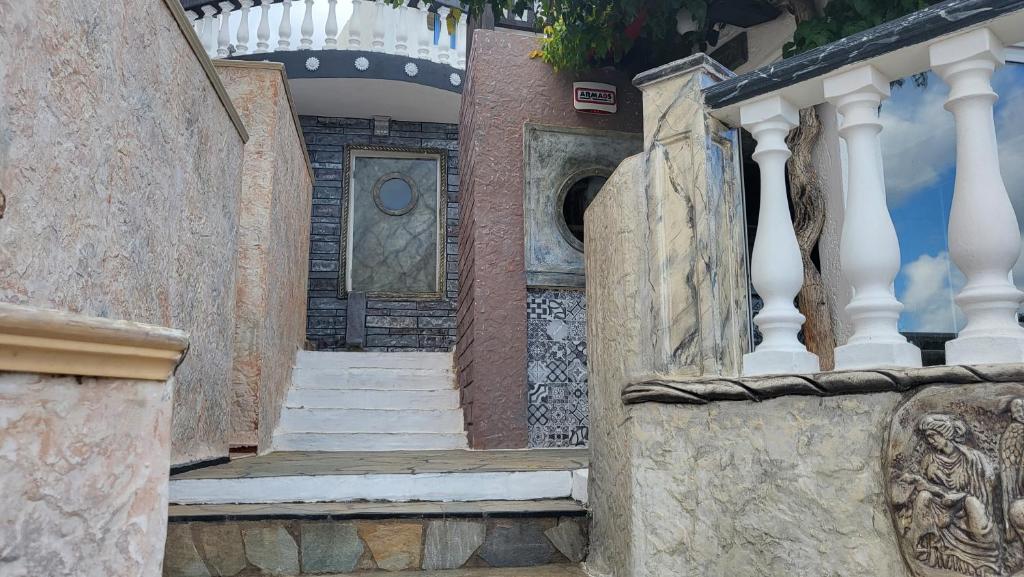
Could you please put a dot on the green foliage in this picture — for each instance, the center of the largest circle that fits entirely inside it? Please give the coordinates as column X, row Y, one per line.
column 584, row 34
column 842, row 18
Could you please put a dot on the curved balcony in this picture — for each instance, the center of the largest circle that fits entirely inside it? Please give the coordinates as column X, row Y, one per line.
column 347, row 57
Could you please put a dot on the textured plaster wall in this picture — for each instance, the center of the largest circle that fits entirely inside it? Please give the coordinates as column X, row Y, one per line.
column 492, row 320
column 120, row 167
column 792, row 486
column 85, row 464
column 273, row 245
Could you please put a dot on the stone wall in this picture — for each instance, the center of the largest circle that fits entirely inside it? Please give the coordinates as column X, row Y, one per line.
column 492, row 321
column 273, row 243
column 345, row 546
column 120, row 161
column 391, row 325
column 85, row 464
column 792, row 486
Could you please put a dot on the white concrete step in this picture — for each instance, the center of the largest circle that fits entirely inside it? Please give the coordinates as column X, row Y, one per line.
column 370, row 421
column 354, row 360
column 308, row 398
column 368, row 441
column 380, row 379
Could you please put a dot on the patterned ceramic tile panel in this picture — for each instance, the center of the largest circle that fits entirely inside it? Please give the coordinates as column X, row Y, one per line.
column 557, row 367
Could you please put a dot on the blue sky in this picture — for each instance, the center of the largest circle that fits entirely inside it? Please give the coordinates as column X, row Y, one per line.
column 918, row 151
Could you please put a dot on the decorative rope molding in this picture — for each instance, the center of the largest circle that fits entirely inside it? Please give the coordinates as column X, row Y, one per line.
column 34, row 340
column 704, row 390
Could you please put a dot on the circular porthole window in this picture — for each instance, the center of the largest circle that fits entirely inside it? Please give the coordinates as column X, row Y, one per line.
column 576, row 195
column 394, row 194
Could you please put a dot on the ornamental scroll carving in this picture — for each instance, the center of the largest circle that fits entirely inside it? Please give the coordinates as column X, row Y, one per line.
column 955, row 469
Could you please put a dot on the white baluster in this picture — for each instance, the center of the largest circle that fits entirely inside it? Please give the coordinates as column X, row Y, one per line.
column 869, row 252
column 356, row 25
column 224, row 36
column 460, row 43
column 426, row 37
column 444, row 42
column 776, row 269
column 984, row 239
column 331, row 28
column 242, row 39
column 402, row 31
column 209, row 37
column 198, row 24
column 284, row 31
column 263, row 30
column 379, row 27
column 306, row 41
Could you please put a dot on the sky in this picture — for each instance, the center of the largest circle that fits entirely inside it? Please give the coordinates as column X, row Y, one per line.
column 918, row 152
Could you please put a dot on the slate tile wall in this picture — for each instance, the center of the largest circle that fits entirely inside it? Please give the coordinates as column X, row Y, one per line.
column 556, row 373
column 390, row 325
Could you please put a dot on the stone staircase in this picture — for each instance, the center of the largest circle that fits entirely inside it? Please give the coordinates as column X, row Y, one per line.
column 357, row 401
column 481, row 513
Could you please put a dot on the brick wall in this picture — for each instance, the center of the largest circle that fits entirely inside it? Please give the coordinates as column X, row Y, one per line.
column 390, row 325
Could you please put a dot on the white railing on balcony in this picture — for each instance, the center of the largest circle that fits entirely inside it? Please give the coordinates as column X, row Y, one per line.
column 984, row 238
column 256, row 27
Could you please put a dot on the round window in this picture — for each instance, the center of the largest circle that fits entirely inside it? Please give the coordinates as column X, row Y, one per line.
column 577, row 196
column 394, row 194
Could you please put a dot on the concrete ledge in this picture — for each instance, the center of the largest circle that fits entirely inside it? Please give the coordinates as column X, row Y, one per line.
column 703, row 390
column 197, row 47
column 34, row 340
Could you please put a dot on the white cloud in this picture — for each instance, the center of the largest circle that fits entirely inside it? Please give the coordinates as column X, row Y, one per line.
column 932, row 281
column 918, row 139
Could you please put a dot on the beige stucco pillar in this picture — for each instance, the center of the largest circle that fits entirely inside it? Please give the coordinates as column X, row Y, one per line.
column 85, row 426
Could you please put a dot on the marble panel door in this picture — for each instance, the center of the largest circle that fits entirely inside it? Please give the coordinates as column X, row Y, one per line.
column 393, row 235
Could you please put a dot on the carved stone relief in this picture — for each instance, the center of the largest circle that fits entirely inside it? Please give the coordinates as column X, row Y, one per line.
column 955, row 470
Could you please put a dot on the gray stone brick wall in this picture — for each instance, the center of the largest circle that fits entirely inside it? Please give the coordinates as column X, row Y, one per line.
column 390, row 325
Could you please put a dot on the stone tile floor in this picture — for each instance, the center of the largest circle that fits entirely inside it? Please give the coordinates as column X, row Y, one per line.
column 361, row 463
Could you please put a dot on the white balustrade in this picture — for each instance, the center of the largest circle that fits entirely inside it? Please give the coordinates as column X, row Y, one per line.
column 776, row 267
column 242, row 38
column 225, row 29
column 379, row 27
column 444, row 51
column 263, row 31
column 224, row 36
column 984, row 235
column 355, row 24
column 331, row 29
column 402, row 31
column 460, row 43
column 869, row 251
column 425, row 38
column 209, row 38
column 306, row 41
column 284, row 31
column 984, row 238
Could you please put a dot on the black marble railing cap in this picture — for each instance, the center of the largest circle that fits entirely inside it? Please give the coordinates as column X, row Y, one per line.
column 688, row 64
column 915, row 28
column 711, row 389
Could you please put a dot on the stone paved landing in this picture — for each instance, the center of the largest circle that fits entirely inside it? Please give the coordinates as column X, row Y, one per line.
column 445, row 476
column 393, row 462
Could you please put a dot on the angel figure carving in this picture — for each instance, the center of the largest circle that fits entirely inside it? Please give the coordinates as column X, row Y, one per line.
column 947, row 502
column 1011, row 462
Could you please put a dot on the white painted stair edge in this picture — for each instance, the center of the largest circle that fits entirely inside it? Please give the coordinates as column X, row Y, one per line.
column 394, row 487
